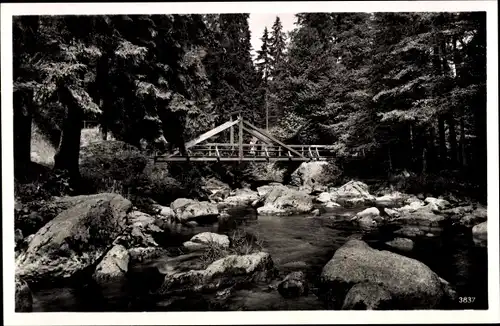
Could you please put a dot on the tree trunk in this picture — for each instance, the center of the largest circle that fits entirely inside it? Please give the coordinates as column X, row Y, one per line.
column 104, row 91
column 412, row 142
column 444, row 58
column 424, row 160
column 22, row 134
column 104, row 132
column 408, row 157
column 390, row 158
column 431, row 149
column 68, row 153
column 453, row 139
column 463, row 154
column 457, row 60
column 442, row 142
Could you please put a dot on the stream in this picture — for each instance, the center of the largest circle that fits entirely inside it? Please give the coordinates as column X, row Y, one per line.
column 296, row 243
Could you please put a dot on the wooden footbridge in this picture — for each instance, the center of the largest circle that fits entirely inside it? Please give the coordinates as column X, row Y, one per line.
column 262, row 148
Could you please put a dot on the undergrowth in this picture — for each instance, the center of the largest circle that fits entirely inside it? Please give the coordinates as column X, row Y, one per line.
column 241, row 243
column 92, row 135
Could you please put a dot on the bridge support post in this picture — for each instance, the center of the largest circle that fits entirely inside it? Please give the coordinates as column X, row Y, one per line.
column 240, row 138
column 231, row 132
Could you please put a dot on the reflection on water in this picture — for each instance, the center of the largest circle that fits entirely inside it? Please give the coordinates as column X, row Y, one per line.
column 295, row 243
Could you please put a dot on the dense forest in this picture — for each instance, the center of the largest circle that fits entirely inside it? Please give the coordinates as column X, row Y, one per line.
column 400, row 91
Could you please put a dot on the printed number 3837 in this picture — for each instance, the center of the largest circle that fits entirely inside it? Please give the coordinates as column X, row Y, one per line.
column 466, row 299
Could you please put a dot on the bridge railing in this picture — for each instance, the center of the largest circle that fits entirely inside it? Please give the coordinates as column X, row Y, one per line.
column 259, row 150
column 255, row 152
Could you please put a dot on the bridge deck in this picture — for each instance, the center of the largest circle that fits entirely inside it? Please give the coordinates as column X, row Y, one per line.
column 264, row 147
column 250, row 153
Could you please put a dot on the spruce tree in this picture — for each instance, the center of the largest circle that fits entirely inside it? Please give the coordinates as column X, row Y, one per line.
column 263, row 57
column 277, row 45
column 233, row 75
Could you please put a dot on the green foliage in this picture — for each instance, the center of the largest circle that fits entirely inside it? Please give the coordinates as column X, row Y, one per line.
column 233, row 78
column 264, row 57
column 41, row 183
column 380, row 83
column 277, row 46
column 110, row 165
column 241, row 243
column 158, row 184
column 408, row 90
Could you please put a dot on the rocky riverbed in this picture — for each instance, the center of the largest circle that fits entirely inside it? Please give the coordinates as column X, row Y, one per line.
column 301, row 246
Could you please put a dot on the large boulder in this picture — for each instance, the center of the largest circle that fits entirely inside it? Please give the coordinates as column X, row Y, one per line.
column 470, row 220
column 138, row 218
column 410, row 232
column 411, row 207
column 217, row 190
column 367, row 296
column 140, row 254
column 368, row 218
column 456, row 213
column 372, row 212
column 353, row 193
column 424, row 216
column 481, row 212
column 474, row 217
column 324, row 197
column 113, row 266
column 189, row 209
column 401, row 244
column 294, row 285
column 413, row 199
column 263, row 191
column 437, row 203
column 242, row 197
column 204, row 239
column 283, row 200
column 392, row 199
column 164, row 212
column 411, row 284
column 222, row 273
column 38, row 213
column 75, row 239
column 331, row 205
column 367, row 222
column 391, row 213
column 314, row 176
column 23, row 296
column 27, row 240
column 480, row 233
column 141, row 229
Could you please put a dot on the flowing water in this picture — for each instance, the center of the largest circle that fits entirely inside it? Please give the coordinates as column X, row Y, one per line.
column 295, row 243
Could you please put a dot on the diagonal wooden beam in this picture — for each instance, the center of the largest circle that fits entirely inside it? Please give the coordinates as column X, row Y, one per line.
column 211, row 133
column 258, row 136
column 265, row 134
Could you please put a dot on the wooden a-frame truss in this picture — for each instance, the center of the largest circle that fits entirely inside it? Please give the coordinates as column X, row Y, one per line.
column 271, row 149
